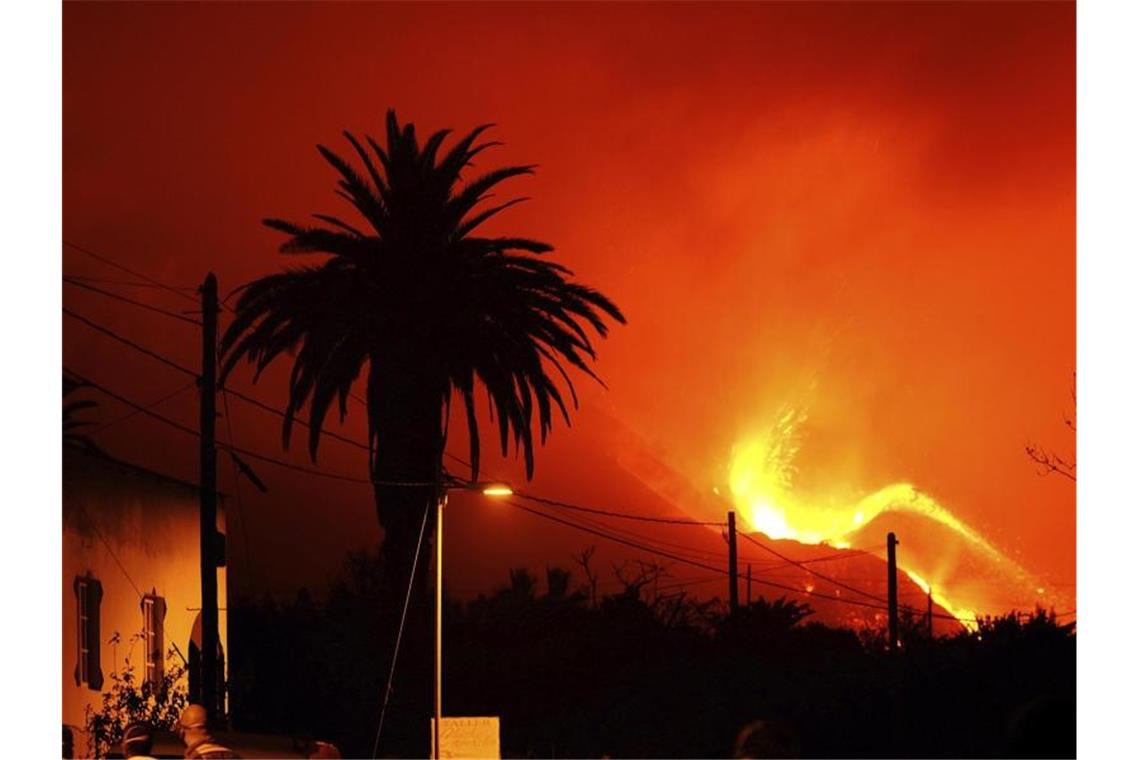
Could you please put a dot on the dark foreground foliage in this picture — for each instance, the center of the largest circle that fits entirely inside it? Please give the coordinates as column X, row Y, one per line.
column 640, row 675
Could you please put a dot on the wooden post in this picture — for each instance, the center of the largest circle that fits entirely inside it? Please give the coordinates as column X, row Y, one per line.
column 930, row 612
column 208, row 500
column 892, row 594
column 749, row 586
column 733, row 593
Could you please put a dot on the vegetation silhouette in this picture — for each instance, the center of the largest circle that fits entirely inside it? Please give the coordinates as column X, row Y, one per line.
column 72, row 425
column 424, row 306
column 642, row 674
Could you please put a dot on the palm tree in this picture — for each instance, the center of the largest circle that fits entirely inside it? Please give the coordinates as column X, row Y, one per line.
column 71, row 424
column 423, row 307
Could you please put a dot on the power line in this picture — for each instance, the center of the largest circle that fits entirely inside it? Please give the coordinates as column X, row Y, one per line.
column 252, row 454
column 848, row 554
column 691, row 582
column 722, row 572
column 237, row 492
column 135, row 412
column 180, row 292
column 618, row 539
column 601, row 533
column 187, row 371
column 816, row 573
column 273, row 410
column 694, row 563
column 79, row 284
column 400, row 632
column 665, row 520
column 111, row 551
column 683, row 549
column 131, row 283
column 621, row 515
column 299, row 420
column 777, row 564
column 680, row 521
column 128, row 342
column 321, row 473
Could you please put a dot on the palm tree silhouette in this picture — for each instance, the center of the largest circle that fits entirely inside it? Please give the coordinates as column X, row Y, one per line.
column 71, row 424
column 423, row 307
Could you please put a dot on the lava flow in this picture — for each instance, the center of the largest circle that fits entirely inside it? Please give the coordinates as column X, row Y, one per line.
column 762, row 482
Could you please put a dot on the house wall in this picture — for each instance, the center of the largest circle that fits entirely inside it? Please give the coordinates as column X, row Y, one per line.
column 136, row 533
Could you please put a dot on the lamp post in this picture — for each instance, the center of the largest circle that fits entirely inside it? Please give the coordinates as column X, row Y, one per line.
column 488, row 489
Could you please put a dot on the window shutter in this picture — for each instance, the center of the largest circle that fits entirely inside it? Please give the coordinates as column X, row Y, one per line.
column 154, row 614
column 79, row 586
column 94, row 601
column 159, row 631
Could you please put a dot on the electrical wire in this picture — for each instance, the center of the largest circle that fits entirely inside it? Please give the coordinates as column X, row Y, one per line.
column 594, row 531
column 130, row 283
column 80, row 284
column 298, row 420
column 153, row 354
column 816, row 573
column 187, row 371
column 136, row 412
column 128, row 342
column 151, row 282
column 759, row 581
column 620, row 515
column 247, row 452
column 111, row 551
column 618, row 539
column 683, row 549
column 237, row 493
column 180, row 292
column 690, row 582
column 400, row 631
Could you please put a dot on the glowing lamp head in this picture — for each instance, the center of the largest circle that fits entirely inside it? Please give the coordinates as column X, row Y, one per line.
column 496, row 489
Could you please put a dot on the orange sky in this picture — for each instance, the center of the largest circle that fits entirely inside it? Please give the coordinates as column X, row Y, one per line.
column 867, row 209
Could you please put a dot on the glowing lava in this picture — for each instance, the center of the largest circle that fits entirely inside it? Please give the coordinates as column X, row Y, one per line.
column 967, row 617
column 762, row 479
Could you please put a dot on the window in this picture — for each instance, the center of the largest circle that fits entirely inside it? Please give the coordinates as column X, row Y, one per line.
column 154, row 613
column 88, row 598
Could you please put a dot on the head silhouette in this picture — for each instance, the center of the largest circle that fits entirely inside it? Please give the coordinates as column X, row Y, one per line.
column 1043, row 727
column 137, row 740
column 767, row 738
column 192, row 724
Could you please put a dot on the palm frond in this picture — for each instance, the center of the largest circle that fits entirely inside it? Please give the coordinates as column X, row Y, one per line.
column 420, row 305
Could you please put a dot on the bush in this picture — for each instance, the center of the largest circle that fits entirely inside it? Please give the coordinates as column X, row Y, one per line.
column 127, row 701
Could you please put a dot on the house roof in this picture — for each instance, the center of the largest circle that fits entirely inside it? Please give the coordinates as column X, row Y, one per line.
column 105, row 460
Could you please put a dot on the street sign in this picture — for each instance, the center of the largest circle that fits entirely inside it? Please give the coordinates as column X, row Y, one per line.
column 467, row 738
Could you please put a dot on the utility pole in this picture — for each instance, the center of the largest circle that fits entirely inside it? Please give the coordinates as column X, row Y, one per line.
column 892, row 594
column 930, row 612
column 733, row 593
column 749, row 584
column 441, row 502
column 208, row 499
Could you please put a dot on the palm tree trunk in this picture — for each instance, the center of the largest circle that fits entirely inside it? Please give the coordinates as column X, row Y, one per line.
column 406, row 410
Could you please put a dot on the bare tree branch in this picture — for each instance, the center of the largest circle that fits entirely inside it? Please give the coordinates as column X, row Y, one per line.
column 583, row 558
column 1050, row 461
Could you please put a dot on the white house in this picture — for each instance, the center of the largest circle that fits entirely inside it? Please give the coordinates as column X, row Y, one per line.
column 131, row 585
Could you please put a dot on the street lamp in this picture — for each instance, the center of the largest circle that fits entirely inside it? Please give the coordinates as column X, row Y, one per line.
column 492, row 489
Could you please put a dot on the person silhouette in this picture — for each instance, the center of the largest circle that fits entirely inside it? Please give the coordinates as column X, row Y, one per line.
column 766, row 738
column 137, row 741
column 195, row 734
